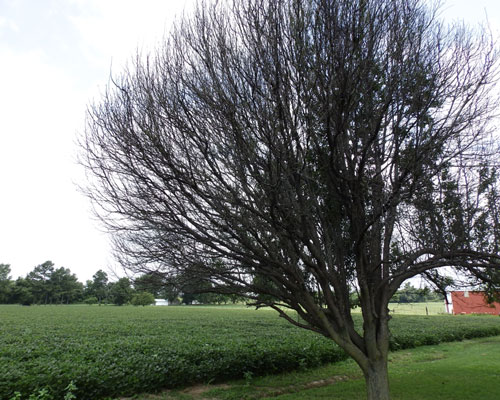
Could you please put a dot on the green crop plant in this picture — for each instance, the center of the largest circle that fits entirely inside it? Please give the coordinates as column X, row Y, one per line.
column 94, row 352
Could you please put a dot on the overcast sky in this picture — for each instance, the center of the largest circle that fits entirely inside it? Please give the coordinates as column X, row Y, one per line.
column 55, row 57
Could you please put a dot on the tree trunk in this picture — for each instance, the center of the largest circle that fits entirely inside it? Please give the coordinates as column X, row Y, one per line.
column 377, row 380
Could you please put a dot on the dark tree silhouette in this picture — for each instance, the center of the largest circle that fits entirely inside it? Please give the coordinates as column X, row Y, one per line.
column 296, row 151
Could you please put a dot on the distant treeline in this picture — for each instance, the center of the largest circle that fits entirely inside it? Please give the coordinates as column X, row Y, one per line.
column 46, row 284
column 409, row 294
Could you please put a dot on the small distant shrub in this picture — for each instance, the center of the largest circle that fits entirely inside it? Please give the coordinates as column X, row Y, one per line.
column 143, row 299
column 91, row 300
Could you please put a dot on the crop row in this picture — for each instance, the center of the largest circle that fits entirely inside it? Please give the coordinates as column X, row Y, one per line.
column 112, row 351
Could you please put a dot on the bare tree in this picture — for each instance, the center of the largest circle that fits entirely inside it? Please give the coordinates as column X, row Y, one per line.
column 295, row 151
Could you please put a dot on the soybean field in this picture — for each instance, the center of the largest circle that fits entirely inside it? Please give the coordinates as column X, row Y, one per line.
column 94, row 352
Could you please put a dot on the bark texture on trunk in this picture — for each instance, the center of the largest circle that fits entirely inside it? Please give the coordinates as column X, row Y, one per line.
column 377, row 381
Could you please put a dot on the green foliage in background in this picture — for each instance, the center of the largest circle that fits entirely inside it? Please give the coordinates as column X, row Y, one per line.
column 43, row 285
column 142, row 299
column 121, row 292
column 410, row 294
column 48, row 285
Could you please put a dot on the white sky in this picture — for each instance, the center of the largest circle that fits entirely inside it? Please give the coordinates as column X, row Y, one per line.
column 55, row 57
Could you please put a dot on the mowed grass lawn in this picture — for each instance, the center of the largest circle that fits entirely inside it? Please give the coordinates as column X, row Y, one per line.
column 118, row 351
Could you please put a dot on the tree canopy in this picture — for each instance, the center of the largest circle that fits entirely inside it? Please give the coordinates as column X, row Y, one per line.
column 43, row 285
column 46, row 284
column 5, row 287
column 296, row 151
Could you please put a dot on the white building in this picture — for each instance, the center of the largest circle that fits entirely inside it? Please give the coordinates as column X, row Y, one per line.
column 161, row 302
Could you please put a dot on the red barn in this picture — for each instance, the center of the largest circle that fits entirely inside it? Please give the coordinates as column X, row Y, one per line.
column 469, row 302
